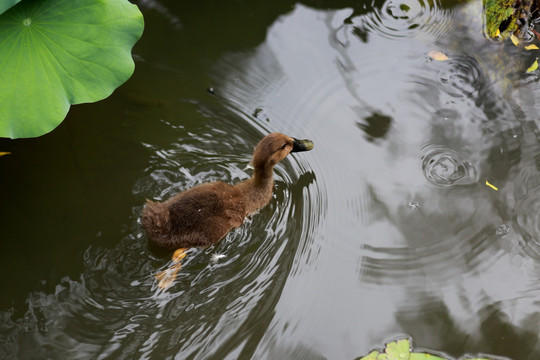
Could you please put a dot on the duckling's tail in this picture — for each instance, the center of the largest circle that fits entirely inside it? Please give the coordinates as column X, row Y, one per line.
column 156, row 221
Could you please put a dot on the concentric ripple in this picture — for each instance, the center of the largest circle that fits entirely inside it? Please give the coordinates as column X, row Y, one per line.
column 461, row 76
column 445, row 168
column 406, row 18
column 527, row 207
column 440, row 261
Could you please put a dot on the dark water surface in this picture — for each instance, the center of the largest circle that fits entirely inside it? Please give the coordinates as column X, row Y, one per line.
column 387, row 228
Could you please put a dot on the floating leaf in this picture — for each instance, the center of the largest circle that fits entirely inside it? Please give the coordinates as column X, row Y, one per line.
column 56, row 53
column 401, row 350
column 420, row 356
column 515, row 39
column 437, row 55
column 374, row 355
column 533, row 67
column 531, row 47
column 2, row 153
column 492, row 186
column 398, row 350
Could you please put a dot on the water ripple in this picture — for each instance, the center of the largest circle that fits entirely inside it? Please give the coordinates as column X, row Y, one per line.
column 406, row 19
column 445, row 168
column 254, row 254
column 440, row 262
column 527, row 207
column 461, row 76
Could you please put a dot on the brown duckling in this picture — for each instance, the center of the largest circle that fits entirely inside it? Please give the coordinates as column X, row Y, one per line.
column 204, row 214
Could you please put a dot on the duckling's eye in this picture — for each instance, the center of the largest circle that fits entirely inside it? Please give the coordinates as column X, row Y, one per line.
column 283, row 147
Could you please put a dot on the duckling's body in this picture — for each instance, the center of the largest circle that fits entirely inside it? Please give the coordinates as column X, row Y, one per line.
column 204, row 214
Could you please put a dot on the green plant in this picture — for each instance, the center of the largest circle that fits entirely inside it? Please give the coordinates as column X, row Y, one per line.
column 6, row 4
column 401, row 350
column 55, row 53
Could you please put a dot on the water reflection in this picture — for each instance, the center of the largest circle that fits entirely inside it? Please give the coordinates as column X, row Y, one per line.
column 376, row 125
column 386, row 228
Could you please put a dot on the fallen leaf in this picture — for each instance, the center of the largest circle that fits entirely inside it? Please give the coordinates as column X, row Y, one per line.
column 2, row 153
column 533, row 67
column 437, row 55
column 531, row 47
column 515, row 39
column 492, row 186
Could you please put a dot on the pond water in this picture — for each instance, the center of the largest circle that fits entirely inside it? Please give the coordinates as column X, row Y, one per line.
column 386, row 228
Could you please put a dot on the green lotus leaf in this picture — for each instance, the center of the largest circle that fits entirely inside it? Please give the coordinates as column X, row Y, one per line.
column 55, row 53
column 401, row 350
column 6, row 4
column 374, row 355
column 398, row 350
column 421, row 356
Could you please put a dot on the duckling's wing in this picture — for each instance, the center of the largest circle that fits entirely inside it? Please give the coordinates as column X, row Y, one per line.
column 203, row 215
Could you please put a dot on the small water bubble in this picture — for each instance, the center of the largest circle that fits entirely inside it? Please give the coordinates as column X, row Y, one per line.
column 413, row 205
column 27, row 22
column 215, row 258
column 502, row 230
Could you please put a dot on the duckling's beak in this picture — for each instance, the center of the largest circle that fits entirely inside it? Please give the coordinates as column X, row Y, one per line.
column 302, row 145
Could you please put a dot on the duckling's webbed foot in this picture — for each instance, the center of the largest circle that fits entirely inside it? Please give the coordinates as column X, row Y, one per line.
column 167, row 276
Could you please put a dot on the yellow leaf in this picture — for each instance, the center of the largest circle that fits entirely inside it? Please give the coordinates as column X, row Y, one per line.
column 437, row 55
column 514, row 39
column 498, row 33
column 492, row 186
column 2, row 153
column 533, row 67
column 531, row 47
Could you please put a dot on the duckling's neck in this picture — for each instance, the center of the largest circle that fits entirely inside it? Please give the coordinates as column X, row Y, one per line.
column 257, row 190
column 263, row 173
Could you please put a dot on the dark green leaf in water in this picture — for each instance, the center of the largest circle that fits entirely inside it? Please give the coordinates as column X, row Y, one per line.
column 56, row 53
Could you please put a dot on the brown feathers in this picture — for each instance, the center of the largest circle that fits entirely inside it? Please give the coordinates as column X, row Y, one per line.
column 202, row 215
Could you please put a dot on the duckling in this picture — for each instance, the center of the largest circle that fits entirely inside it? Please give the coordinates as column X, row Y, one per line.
column 204, row 214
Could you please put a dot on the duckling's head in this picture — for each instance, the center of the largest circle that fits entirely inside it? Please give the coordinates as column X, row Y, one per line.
column 275, row 147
